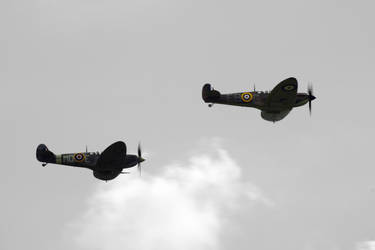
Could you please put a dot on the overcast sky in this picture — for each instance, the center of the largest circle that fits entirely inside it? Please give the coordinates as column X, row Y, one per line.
column 76, row 73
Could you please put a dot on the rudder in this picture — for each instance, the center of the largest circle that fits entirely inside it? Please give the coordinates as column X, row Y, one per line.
column 209, row 94
column 44, row 155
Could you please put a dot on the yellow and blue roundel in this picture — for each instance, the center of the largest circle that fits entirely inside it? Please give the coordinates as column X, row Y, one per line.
column 289, row 87
column 246, row 97
column 79, row 157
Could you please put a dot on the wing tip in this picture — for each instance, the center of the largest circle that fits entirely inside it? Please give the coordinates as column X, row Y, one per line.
column 291, row 80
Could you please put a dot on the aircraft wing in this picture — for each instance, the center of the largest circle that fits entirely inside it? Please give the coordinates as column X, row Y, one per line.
column 114, row 155
column 284, row 94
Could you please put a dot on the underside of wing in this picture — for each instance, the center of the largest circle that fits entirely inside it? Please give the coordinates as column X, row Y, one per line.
column 113, row 156
column 283, row 95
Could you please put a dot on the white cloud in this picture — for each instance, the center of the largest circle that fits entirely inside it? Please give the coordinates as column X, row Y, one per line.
column 366, row 245
column 183, row 207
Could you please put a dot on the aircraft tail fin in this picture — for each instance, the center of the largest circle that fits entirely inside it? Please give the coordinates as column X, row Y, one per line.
column 44, row 155
column 209, row 94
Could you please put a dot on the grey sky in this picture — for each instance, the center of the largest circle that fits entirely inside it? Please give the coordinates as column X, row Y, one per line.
column 91, row 72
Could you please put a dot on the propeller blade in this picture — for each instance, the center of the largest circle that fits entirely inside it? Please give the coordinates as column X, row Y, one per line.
column 140, row 159
column 311, row 96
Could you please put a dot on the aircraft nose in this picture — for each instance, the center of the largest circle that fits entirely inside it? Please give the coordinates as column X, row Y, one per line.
column 140, row 159
column 312, row 97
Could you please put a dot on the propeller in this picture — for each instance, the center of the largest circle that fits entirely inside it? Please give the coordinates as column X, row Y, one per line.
column 311, row 96
column 140, row 159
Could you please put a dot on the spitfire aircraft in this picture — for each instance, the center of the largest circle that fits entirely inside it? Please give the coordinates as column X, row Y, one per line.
column 274, row 105
column 105, row 166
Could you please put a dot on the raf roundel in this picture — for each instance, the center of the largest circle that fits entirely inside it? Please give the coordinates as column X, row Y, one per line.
column 246, row 97
column 79, row 157
column 289, row 87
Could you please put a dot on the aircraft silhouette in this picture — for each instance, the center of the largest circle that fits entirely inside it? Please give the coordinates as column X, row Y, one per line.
column 274, row 105
column 105, row 166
